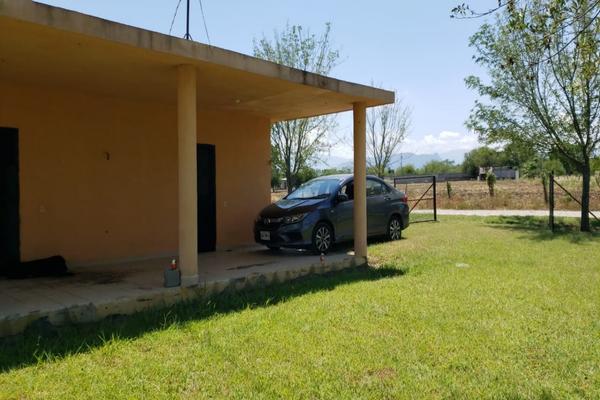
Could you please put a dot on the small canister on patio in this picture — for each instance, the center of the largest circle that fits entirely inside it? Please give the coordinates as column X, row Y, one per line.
column 172, row 275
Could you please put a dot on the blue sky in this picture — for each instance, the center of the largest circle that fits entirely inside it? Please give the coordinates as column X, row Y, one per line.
column 413, row 47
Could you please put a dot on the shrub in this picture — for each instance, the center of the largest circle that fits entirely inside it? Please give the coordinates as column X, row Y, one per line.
column 490, row 178
column 435, row 167
column 275, row 181
column 596, row 170
column 408, row 169
column 555, row 166
column 449, row 189
column 305, row 175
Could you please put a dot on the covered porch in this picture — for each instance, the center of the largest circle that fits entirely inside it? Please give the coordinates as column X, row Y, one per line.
column 108, row 120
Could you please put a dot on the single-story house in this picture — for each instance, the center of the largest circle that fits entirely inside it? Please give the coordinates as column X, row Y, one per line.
column 119, row 143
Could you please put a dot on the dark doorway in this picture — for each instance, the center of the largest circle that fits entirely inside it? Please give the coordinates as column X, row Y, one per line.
column 9, row 199
column 207, row 198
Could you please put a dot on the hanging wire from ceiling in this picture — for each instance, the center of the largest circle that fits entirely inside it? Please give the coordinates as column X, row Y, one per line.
column 174, row 17
column 204, row 20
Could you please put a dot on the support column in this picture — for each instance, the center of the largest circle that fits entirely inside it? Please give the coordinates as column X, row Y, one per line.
column 187, row 174
column 360, row 180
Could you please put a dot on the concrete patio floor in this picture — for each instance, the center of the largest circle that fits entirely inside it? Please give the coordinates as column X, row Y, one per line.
column 93, row 293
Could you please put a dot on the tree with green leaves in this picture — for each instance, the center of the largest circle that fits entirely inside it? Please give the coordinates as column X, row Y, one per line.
column 301, row 141
column 276, row 174
column 519, row 7
column 435, row 167
column 407, row 169
column 387, row 126
column 516, row 154
column 540, row 168
column 544, row 82
column 481, row 157
column 305, row 175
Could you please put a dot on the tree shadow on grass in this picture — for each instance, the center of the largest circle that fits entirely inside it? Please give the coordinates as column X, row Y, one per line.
column 43, row 342
column 537, row 228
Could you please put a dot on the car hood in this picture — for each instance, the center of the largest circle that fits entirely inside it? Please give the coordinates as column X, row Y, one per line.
column 289, row 207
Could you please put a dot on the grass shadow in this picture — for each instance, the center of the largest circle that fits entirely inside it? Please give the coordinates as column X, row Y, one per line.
column 43, row 342
column 537, row 228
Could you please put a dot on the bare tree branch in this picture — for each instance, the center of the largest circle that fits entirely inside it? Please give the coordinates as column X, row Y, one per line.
column 387, row 127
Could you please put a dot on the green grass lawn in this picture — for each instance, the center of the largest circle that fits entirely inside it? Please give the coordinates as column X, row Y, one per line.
column 464, row 308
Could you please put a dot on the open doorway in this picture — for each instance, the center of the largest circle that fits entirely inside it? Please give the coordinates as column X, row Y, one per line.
column 9, row 199
column 207, row 198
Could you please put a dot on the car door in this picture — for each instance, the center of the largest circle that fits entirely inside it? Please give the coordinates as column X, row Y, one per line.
column 391, row 204
column 376, row 207
column 344, row 214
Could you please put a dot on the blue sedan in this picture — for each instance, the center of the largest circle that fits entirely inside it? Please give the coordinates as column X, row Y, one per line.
column 320, row 213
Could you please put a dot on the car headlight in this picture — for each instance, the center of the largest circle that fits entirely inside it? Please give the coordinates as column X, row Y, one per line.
column 292, row 219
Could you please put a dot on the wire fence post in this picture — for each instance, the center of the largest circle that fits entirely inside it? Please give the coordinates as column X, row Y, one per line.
column 435, row 198
column 551, row 200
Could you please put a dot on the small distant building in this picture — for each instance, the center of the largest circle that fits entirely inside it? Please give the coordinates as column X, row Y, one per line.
column 281, row 185
column 500, row 172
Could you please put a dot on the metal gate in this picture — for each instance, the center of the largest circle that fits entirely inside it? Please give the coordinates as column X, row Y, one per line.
column 429, row 194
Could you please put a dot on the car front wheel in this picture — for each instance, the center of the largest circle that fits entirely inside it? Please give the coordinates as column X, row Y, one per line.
column 322, row 238
column 395, row 228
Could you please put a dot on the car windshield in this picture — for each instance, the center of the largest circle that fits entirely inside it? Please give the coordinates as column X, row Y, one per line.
column 315, row 189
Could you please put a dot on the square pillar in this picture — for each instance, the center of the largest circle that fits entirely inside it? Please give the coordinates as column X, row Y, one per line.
column 187, row 174
column 360, row 180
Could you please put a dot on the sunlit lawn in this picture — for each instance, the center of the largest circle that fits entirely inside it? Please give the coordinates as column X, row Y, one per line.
column 463, row 308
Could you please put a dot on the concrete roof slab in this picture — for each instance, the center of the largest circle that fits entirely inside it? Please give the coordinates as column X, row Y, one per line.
column 48, row 45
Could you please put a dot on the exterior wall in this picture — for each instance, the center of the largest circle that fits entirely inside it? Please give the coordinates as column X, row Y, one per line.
column 243, row 154
column 98, row 175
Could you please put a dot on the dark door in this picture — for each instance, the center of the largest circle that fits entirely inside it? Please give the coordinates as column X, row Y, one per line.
column 207, row 198
column 9, row 199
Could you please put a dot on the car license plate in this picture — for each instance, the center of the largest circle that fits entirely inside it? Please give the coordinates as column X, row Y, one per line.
column 265, row 235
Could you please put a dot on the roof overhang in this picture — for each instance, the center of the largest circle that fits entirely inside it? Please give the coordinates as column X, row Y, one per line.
column 50, row 46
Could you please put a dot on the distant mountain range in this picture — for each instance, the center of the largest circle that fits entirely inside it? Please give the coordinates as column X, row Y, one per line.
column 416, row 160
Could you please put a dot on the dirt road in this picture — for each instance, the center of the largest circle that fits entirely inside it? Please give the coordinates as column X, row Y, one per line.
column 505, row 213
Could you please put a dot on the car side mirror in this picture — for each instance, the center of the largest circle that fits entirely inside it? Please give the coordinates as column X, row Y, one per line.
column 341, row 197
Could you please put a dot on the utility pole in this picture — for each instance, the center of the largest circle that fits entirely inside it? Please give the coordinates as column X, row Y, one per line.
column 187, row 29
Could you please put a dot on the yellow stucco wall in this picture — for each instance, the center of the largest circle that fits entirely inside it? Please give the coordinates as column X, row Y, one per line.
column 98, row 175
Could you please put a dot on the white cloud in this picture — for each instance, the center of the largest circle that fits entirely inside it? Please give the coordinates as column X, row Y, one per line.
column 442, row 143
column 449, row 135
